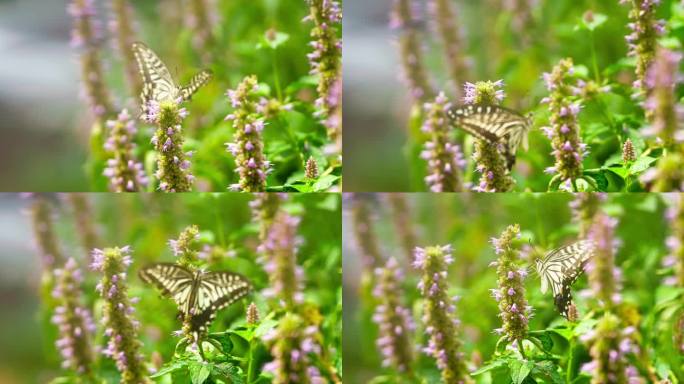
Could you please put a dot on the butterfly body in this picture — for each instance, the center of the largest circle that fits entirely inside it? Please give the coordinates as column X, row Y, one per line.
column 158, row 85
column 560, row 268
column 495, row 125
column 199, row 294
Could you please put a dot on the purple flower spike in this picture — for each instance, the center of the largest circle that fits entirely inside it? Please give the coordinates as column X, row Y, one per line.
column 439, row 319
column 125, row 172
column 445, row 160
column 120, row 326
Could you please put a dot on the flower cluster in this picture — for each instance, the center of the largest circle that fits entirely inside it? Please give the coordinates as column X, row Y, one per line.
column 568, row 148
column 293, row 344
column 604, row 276
column 252, row 314
column 447, row 27
column 279, row 251
column 120, row 326
column 86, row 36
column 326, row 62
column 311, row 169
column 483, row 92
column 488, row 156
column 83, row 216
column 173, row 168
column 248, row 147
column 364, row 234
column 664, row 110
column 610, row 344
column 44, row 232
column 510, row 294
column 439, row 317
column 584, row 208
column 675, row 242
column 393, row 318
column 642, row 41
column 185, row 246
column 264, row 208
column 403, row 222
column 76, row 326
column 404, row 18
column 121, row 26
column 214, row 254
column 444, row 158
column 125, row 172
column 628, row 153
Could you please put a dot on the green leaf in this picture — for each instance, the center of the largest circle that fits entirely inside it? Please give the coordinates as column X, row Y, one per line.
column 591, row 20
column 324, row 182
column 544, row 338
column 548, row 371
column 170, row 367
column 489, row 366
column 229, row 372
column 641, row 164
column 272, row 39
column 199, row 371
column 519, row 370
column 264, row 327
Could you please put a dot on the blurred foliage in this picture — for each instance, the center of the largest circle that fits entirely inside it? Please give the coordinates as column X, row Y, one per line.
column 265, row 38
column 497, row 50
column 468, row 222
column 147, row 222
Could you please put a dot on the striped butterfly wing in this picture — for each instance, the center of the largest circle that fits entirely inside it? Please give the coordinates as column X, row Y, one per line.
column 172, row 280
column 215, row 291
column 493, row 124
column 158, row 84
column 560, row 269
column 196, row 83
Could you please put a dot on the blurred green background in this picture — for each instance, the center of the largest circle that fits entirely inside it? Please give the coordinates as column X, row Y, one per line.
column 45, row 125
column 147, row 222
column 382, row 145
column 468, row 222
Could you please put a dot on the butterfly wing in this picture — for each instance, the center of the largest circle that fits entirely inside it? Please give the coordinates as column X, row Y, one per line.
column 216, row 291
column 158, row 84
column 171, row 279
column 196, row 82
column 560, row 269
column 493, row 124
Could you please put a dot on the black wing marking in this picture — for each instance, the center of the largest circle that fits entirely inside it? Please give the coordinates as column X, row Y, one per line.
column 493, row 124
column 196, row 83
column 158, row 85
column 172, row 280
column 216, row 291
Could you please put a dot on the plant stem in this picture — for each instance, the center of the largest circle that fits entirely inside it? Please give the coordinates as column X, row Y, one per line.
column 521, row 349
column 594, row 61
column 250, row 365
column 276, row 78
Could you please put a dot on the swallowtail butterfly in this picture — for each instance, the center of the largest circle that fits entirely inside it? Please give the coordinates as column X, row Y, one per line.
column 493, row 124
column 561, row 267
column 157, row 82
column 199, row 294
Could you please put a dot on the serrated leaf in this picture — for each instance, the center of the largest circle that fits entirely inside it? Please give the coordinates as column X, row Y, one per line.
column 544, row 338
column 519, row 370
column 264, row 327
column 199, row 371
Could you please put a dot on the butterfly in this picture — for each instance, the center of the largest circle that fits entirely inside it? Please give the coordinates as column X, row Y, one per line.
column 157, row 82
column 560, row 268
column 493, row 124
column 199, row 294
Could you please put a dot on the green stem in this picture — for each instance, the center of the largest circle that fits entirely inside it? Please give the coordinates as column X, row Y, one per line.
column 594, row 61
column 250, row 365
column 568, row 370
column 276, row 78
column 521, row 349
column 201, row 350
column 574, row 185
